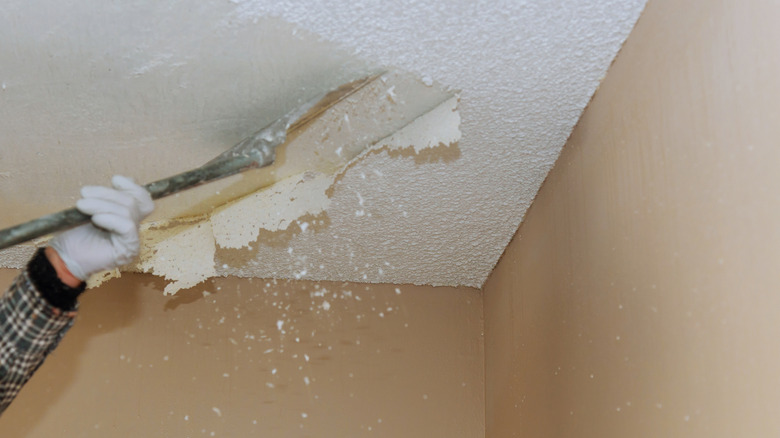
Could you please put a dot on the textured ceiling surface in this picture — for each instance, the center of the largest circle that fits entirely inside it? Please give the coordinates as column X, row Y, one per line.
column 151, row 88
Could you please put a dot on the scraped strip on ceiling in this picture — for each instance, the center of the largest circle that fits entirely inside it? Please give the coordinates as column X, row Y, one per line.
column 237, row 224
column 395, row 111
column 324, row 145
column 185, row 253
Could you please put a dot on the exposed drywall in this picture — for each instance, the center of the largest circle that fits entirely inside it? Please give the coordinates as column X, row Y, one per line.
column 639, row 298
column 250, row 357
column 152, row 88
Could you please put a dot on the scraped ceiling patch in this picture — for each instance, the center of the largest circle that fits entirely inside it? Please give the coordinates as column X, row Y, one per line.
column 237, row 224
column 185, row 253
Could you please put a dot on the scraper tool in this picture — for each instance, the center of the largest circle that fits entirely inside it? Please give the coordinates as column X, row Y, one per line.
column 255, row 151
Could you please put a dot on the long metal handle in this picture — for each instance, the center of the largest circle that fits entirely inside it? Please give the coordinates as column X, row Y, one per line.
column 253, row 152
column 70, row 218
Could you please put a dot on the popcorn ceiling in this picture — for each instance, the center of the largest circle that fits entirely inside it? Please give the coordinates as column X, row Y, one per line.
column 103, row 89
column 525, row 69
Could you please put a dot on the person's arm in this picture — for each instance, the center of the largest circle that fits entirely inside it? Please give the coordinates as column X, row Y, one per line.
column 31, row 326
column 63, row 274
column 40, row 306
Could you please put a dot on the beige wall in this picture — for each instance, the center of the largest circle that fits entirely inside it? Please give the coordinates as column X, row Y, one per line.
column 378, row 363
column 641, row 296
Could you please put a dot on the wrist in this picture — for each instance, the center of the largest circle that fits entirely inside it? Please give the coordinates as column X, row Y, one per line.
column 65, row 276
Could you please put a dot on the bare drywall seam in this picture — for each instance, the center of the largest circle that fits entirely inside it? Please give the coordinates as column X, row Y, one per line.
column 184, row 253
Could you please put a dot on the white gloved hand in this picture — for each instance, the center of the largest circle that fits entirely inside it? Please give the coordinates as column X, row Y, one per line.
column 111, row 240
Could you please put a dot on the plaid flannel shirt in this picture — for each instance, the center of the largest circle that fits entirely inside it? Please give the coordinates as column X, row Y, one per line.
column 30, row 328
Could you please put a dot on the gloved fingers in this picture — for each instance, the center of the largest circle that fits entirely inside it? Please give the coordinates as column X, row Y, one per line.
column 93, row 206
column 124, row 236
column 118, row 224
column 138, row 192
column 112, row 238
column 109, row 195
column 126, row 193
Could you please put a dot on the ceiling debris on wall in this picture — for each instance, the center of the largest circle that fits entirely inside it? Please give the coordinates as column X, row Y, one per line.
column 402, row 184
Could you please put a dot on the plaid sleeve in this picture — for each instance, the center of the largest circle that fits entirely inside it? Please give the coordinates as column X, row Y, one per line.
column 30, row 328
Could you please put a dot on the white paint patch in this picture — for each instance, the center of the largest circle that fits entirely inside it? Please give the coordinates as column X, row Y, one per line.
column 237, row 224
column 181, row 253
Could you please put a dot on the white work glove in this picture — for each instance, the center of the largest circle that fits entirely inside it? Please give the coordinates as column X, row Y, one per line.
column 111, row 240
